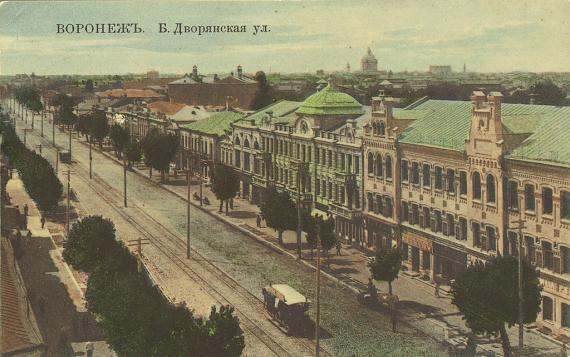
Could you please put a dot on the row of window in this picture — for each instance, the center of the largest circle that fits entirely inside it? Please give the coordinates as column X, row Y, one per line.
column 548, row 311
column 530, row 200
column 380, row 205
column 380, row 167
column 332, row 191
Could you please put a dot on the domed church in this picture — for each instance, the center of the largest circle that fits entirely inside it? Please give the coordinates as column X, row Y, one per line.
column 369, row 62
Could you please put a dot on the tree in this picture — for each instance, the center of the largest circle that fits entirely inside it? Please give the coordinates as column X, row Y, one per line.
column 66, row 115
column 89, row 86
column 326, row 230
column 133, row 152
column 548, row 93
column 224, row 335
column 120, row 138
column 99, row 127
column 90, row 241
column 159, row 150
column 487, row 294
column 386, row 266
column 83, row 124
column 225, row 184
column 262, row 97
column 279, row 211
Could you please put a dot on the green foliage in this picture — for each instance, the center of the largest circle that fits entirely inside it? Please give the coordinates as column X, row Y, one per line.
column 89, row 86
column 36, row 173
column 137, row 319
column 133, row 151
column 119, row 136
column 225, row 183
column 66, row 115
column 487, row 296
column 99, row 127
column 83, row 124
column 262, row 97
column 35, row 105
column 90, row 241
column 279, row 210
column 159, row 150
column 386, row 265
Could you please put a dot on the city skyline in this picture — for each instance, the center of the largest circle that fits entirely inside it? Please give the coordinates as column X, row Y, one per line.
column 528, row 37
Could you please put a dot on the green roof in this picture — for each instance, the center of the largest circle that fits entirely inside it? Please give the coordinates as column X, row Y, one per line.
column 217, row 124
column 330, row 102
column 446, row 124
column 280, row 108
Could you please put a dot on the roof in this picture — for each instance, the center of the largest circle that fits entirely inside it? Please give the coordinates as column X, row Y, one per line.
column 330, row 102
column 279, row 109
column 165, row 107
column 184, row 80
column 290, row 296
column 129, row 93
column 217, row 124
column 446, row 124
column 191, row 113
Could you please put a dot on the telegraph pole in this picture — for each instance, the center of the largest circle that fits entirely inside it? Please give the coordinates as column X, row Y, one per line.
column 299, row 253
column 70, row 131
column 56, row 160
column 25, row 134
column 39, row 146
column 200, row 178
column 188, row 214
column 318, row 292
column 138, row 243
column 520, row 226
column 53, row 130
column 68, row 206
column 124, row 181
column 42, row 123
column 90, row 158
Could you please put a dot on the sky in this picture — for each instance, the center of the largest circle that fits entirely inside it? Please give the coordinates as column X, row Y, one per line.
column 488, row 36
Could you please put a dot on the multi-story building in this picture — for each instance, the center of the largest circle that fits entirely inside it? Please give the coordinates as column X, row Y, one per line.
column 311, row 149
column 447, row 181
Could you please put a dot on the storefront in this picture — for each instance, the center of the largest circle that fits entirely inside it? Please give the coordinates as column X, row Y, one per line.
column 448, row 262
column 380, row 235
column 418, row 252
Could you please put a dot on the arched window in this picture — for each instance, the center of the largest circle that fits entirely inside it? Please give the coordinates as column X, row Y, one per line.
column 236, row 141
column 374, row 128
column 246, row 143
column 370, row 163
column 379, row 168
column 388, row 166
column 382, row 129
column 491, row 192
column 476, row 186
column 370, row 202
column 256, row 145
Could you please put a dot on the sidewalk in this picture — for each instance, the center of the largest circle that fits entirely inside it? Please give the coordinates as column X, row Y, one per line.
column 56, row 291
column 419, row 306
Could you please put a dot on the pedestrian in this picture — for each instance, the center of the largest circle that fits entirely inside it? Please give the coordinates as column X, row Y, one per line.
column 258, row 221
column 18, row 236
column 89, row 348
column 393, row 318
column 231, row 203
column 436, row 288
column 43, row 220
column 29, row 236
column 26, row 210
column 338, row 247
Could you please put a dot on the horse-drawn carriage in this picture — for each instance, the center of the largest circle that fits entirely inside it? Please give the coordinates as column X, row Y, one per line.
column 287, row 307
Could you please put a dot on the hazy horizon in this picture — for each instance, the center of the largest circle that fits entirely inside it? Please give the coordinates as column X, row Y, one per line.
column 488, row 36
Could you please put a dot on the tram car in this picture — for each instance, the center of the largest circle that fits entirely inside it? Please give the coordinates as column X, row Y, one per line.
column 287, row 307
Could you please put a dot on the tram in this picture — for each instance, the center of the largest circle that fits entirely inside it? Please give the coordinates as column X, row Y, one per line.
column 287, row 307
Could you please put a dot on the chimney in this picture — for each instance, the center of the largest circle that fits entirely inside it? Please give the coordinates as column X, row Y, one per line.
column 495, row 99
column 532, row 99
column 195, row 71
column 216, row 78
column 239, row 71
column 477, row 98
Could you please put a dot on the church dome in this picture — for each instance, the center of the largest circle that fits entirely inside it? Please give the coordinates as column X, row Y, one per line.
column 369, row 56
column 330, row 102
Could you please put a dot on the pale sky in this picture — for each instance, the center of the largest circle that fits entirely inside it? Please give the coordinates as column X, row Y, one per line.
column 489, row 36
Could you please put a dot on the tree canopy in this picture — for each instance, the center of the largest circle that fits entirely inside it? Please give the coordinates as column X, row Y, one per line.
column 99, row 127
column 120, row 138
column 279, row 211
column 133, row 152
column 225, row 184
column 386, row 265
column 487, row 296
column 159, row 150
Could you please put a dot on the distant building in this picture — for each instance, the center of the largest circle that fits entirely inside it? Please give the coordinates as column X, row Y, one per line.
column 235, row 90
column 369, row 62
column 440, row 70
column 152, row 75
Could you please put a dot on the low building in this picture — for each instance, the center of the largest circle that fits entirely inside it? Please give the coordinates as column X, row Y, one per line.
column 440, row 70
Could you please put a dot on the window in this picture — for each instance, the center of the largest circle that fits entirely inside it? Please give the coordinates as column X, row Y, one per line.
column 426, row 219
column 246, row 161
column 415, row 173
column 438, row 221
column 356, row 164
column 462, row 183
column 438, row 178
column 512, row 244
column 476, row 186
column 565, row 257
column 388, row 167
column 370, row 202
column 426, row 175
column 450, row 181
column 389, row 208
column 317, row 186
column 529, row 200
column 565, row 315
column 546, row 200
column 379, row 169
column 405, row 212
column 450, row 225
column 415, row 214
column 530, row 250
column 318, row 156
column 405, row 252
column 513, row 199
column 491, row 194
column 329, row 158
column 379, row 205
column 491, row 238
column 476, row 228
column 462, row 229
column 405, row 170
column 237, row 155
column 547, row 255
column 382, row 128
column 342, row 162
column 565, row 205
column 547, row 308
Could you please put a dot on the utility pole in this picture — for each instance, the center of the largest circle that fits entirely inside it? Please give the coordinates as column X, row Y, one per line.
column 56, row 160
column 124, row 181
column 200, row 178
column 299, row 228
column 90, row 158
column 39, row 146
column 138, row 243
column 68, row 206
column 42, row 123
column 70, row 131
column 53, row 130
column 188, row 214
column 519, row 227
column 25, row 134
column 318, row 293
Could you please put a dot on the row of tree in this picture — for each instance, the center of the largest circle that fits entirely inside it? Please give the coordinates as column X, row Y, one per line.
column 29, row 98
column 136, row 317
column 36, row 173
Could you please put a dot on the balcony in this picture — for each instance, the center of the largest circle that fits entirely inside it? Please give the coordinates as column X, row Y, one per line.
column 345, row 212
column 259, row 181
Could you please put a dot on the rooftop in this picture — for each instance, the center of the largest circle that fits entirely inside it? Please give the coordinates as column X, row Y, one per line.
column 330, row 102
column 217, row 124
column 129, row 93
